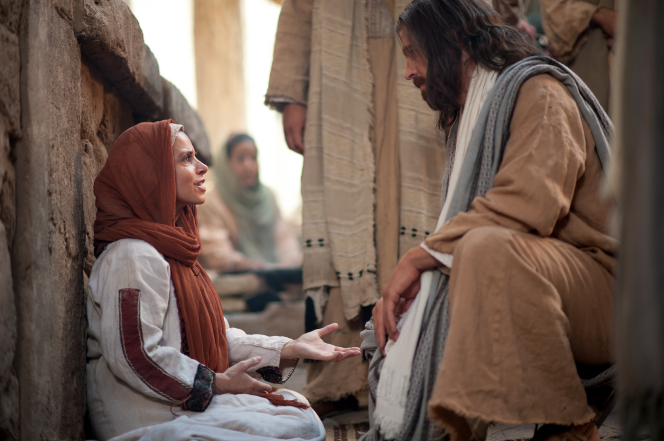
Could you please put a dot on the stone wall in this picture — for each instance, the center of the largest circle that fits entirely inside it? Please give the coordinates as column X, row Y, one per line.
column 74, row 75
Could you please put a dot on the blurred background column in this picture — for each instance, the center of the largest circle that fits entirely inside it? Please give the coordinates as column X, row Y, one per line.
column 219, row 67
column 638, row 111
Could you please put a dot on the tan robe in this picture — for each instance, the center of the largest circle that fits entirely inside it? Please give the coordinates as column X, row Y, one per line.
column 532, row 276
column 567, row 23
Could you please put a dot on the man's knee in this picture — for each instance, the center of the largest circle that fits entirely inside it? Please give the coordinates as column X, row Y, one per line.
column 486, row 245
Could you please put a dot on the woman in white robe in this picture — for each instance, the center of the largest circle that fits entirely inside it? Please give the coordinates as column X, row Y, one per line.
column 142, row 381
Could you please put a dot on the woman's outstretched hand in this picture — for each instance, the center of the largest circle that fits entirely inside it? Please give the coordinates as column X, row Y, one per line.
column 235, row 380
column 311, row 346
column 400, row 293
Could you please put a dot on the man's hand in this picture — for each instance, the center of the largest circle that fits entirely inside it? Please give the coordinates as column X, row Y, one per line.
column 311, row 346
column 400, row 293
column 236, row 380
column 294, row 116
column 606, row 19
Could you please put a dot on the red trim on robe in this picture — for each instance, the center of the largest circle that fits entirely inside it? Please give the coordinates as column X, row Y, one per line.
column 131, row 337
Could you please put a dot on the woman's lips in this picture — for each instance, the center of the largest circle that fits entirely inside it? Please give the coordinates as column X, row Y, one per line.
column 200, row 186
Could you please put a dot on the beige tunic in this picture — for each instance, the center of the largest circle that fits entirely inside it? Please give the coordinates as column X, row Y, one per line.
column 289, row 83
column 532, row 275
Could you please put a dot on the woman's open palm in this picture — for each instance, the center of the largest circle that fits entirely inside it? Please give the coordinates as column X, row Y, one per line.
column 312, row 346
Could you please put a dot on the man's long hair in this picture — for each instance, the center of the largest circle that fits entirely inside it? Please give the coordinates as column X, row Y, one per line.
column 439, row 29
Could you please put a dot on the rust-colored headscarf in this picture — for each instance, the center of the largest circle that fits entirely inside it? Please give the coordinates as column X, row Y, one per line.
column 136, row 198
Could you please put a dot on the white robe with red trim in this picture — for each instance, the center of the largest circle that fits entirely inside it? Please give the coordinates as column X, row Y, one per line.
column 136, row 372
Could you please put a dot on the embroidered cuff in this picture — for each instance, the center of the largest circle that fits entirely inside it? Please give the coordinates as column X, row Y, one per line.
column 201, row 394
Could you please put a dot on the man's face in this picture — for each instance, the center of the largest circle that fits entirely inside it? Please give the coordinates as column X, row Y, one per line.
column 416, row 64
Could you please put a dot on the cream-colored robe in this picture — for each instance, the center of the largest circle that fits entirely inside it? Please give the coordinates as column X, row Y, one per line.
column 532, row 276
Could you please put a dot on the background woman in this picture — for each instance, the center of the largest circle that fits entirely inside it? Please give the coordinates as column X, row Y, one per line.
column 163, row 363
column 240, row 225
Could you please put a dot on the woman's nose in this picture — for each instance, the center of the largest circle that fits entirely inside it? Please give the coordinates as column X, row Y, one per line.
column 202, row 168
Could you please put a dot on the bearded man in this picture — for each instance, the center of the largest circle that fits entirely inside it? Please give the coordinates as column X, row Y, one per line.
column 582, row 34
column 513, row 291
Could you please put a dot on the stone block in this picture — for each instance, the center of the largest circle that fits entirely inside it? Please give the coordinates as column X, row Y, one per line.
column 112, row 40
column 48, row 252
column 178, row 109
column 10, row 14
column 65, row 9
column 10, row 81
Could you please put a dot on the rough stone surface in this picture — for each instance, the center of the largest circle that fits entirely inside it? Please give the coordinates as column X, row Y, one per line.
column 7, row 184
column 10, row 84
column 8, row 380
column 93, row 150
column 178, row 109
column 47, row 259
column 111, row 38
column 116, row 119
column 65, row 9
column 10, row 14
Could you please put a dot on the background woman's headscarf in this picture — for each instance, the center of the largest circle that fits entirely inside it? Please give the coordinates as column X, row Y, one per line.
column 254, row 207
column 136, row 198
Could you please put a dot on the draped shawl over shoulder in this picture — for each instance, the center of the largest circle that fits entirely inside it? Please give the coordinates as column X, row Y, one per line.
column 136, row 198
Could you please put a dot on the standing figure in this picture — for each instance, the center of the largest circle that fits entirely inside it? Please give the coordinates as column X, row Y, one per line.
column 372, row 166
column 582, row 34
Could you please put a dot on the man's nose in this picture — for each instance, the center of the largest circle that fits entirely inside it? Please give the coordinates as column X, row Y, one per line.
column 410, row 71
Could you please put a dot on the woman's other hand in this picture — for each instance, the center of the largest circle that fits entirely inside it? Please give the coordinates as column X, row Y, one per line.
column 235, row 380
column 400, row 293
column 311, row 346
column 294, row 116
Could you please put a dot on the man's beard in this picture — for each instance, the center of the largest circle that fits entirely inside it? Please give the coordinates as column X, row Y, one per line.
column 418, row 82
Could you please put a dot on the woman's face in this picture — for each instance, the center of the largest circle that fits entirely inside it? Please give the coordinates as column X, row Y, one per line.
column 189, row 173
column 244, row 161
